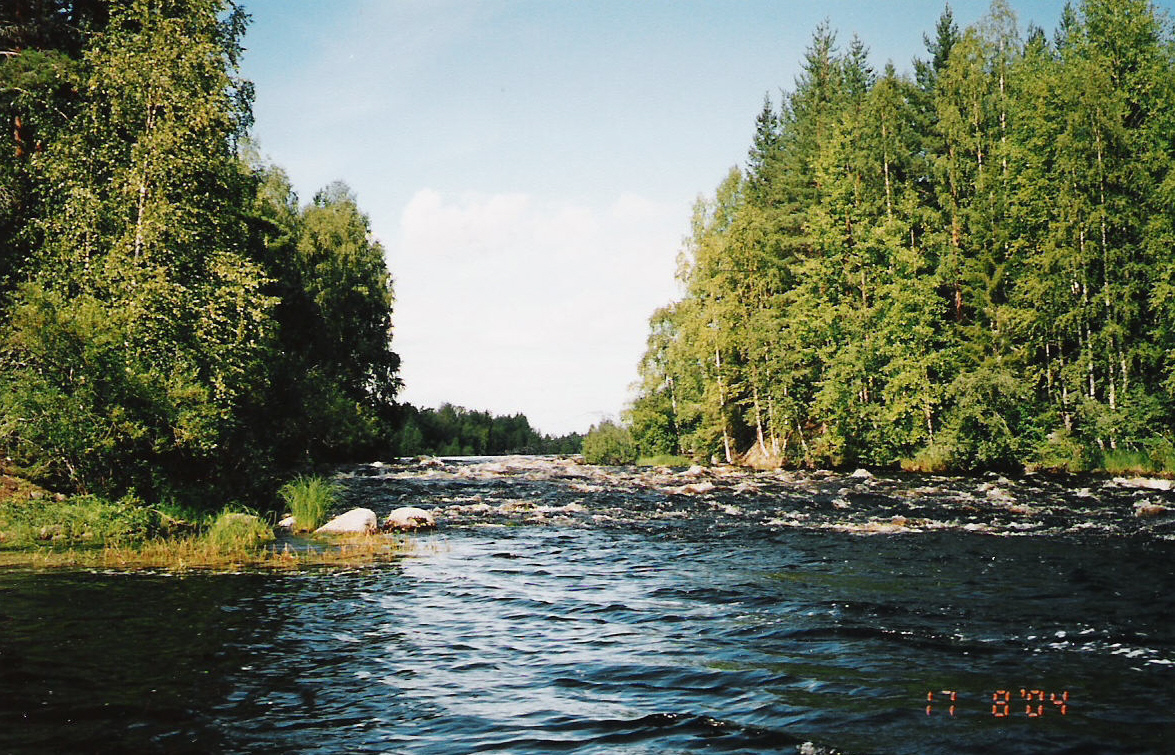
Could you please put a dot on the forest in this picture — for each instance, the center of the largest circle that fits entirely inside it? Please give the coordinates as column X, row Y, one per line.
column 456, row 431
column 966, row 267
column 176, row 324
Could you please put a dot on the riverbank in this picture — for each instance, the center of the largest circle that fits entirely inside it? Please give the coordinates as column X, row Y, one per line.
column 43, row 529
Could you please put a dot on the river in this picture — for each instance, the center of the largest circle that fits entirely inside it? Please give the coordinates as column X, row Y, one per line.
column 562, row 608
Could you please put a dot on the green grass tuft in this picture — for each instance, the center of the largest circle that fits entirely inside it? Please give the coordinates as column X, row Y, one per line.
column 309, row 500
column 1128, row 461
column 237, row 532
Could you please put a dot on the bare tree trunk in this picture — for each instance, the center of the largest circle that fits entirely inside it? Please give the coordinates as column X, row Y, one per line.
column 722, row 406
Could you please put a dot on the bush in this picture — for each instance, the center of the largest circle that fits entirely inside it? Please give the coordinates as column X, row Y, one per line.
column 609, row 443
column 309, row 500
column 235, row 532
column 933, row 458
column 1060, row 451
column 82, row 520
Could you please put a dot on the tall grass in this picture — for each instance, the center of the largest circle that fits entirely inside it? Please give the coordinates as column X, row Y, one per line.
column 309, row 500
column 183, row 554
column 1129, row 462
column 236, row 532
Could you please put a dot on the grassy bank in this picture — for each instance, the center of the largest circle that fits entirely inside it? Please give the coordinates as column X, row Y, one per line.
column 41, row 529
column 665, row 460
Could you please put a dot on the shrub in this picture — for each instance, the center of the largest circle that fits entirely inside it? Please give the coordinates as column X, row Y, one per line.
column 933, row 458
column 609, row 443
column 81, row 520
column 1060, row 451
column 235, row 532
column 309, row 500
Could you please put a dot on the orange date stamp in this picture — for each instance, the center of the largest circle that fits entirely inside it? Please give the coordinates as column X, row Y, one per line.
column 1004, row 703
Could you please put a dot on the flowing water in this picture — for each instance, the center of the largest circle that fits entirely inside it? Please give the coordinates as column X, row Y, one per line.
column 561, row 608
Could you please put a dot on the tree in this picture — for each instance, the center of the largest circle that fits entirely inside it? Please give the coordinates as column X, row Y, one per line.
column 143, row 261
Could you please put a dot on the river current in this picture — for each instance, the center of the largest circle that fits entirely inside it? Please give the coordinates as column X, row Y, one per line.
column 564, row 608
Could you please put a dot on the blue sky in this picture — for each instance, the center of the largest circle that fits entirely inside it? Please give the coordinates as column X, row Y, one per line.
column 530, row 166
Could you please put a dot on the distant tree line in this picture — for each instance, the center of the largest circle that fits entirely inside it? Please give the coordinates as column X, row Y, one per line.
column 176, row 324
column 456, row 431
column 969, row 267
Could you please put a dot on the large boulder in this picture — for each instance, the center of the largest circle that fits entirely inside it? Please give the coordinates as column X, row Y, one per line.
column 354, row 521
column 409, row 519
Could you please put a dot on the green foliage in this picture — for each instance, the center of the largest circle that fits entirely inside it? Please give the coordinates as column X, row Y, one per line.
column 175, row 321
column 934, row 458
column 664, row 460
column 78, row 521
column 309, row 499
column 609, row 443
column 237, row 532
column 456, row 431
column 969, row 269
column 1121, row 461
column 1061, row 452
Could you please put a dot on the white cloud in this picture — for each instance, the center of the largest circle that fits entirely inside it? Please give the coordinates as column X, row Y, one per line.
column 511, row 303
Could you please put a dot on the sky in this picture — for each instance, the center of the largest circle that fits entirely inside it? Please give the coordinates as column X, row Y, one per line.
column 530, row 166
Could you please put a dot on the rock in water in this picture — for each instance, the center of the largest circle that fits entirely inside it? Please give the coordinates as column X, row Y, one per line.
column 355, row 520
column 694, row 488
column 1148, row 483
column 1146, row 509
column 409, row 518
column 288, row 522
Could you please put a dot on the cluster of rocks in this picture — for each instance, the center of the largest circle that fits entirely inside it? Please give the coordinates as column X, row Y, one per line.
column 364, row 521
column 567, row 492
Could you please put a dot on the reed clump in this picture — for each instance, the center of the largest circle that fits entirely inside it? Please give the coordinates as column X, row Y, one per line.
column 309, row 499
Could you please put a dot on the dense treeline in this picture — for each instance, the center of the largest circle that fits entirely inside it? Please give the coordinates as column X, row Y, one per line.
column 456, row 431
column 175, row 324
column 969, row 267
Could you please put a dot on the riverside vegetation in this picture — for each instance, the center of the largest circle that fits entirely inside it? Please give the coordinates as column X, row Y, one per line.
column 964, row 269
column 178, row 331
column 968, row 268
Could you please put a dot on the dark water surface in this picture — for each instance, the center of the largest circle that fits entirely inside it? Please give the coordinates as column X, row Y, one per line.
column 679, row 627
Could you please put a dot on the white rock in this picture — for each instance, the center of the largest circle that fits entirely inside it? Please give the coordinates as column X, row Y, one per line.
column 694, row 471
column 696, row 488
column 355, row 520
column 1150, row 483
column 999, row 495
column 863, row 474
column 287, row 522
column 410, row 518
